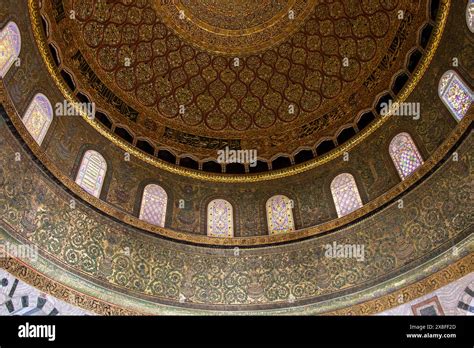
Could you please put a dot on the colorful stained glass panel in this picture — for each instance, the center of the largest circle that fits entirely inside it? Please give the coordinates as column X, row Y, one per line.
column 405, row 155
column 345, row 194
column 470, row 15
column 455, row 94
column 153, row 207
column 279, row 215
column 10, row 45
column 38, row 117
column 220, row 219
column 91, row 173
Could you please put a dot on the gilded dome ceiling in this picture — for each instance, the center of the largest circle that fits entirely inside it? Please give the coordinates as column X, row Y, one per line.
column 192, row 77
column 234, row 27
column 380, row 218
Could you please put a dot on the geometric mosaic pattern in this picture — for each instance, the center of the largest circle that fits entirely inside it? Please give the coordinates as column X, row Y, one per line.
column 465, row 303
column 429, row 307
column 153, row 207
column 10, row 45
column 21, row 299
column 345, row 194
column 404, row 154
column 455, row 94
column 220, row 219
column 91, row 173
column 38, row 117
column 454, row 298
column 280, row 215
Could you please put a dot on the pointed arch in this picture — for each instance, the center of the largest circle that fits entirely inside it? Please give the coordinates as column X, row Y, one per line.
column 220, row 219
column 404, row 154
column 470, row 15
column 91, row 173
column 280, row 215
column 10, row 46
column 455, row 94
column 38, row 117
column 153, row 206
column 345, row 194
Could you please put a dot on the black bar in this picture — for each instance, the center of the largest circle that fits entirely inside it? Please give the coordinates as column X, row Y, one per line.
column 241, row 331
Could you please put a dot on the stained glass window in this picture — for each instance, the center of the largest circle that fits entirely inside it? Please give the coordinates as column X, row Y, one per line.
column 404, row 154
column 91, row 173
column 10, row 45
column 153, row 207
column 345, row 194
column 455, row 94
column 470, row 15
column 280, row 215
column 220, row 219
column 38, row 117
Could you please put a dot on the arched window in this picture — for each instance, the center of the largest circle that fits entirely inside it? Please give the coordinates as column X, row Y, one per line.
column 470, row 15
column 280, row 215
column 10, row 45
column 38, row 117
column 455, row 94
column 153, row 207
column 91, row 173
column 345, row 194
column 404, row 154
column 220, row 219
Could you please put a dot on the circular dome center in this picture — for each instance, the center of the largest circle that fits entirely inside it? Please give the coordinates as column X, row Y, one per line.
column 230, row 26
column 233, row 15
